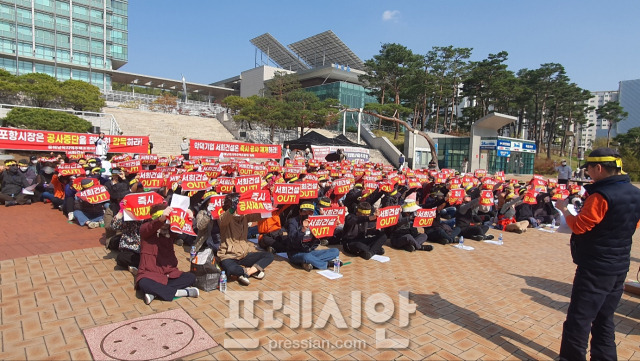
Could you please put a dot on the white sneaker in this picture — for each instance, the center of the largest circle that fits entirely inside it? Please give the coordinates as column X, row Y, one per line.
column 259, row 275
column 92, row 225
column 71, row 216
column 193, row 291
column 148, row 298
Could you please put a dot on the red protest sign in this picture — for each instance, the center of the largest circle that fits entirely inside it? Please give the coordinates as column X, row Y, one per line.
column 245, row 169
column 138, row 205
column 424, row 217
column 148, row 159
column 274, row 167
column 255, row 202
column 75, row 154
column 561, row 194
column 212, row 171
column 152, row 179
column 342, row 185
column 388, row 216
column 413, row 183
column 284, row 193
column 290, row 172
column 322, row 226
column 247, row 183
column 131, row 166
column 120, row 158
column 552, row 182
column 311, row 178
column 216, row 202
column 163, row 162
column 195, row 181
column 339, row 212
column 479, row 173
column 94, row 195
column 455, row 183
column 180, row 222
column 386, row 186
column 259, row 170
column 486, row 198
column 225, row 185
column 456, row 196
column 441, row 178
column 308, row 190
column 530, row 198
column 68, row 169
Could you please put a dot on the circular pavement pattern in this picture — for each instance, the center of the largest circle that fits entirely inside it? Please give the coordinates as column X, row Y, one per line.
column 146, row 339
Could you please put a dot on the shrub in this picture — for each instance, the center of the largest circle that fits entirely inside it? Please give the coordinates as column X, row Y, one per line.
column 45, row 119
column 543, row 166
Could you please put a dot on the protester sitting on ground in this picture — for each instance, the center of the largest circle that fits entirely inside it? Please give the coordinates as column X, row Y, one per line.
column 468, row 222
column 404, row 235
column 302, row 248
column 524, row 211
column 23, row 166
column 158, row 273
column 507, row 215
column 357, row 238
column 43, row 179
column 12, row 181
column 208, row 235
column 86, row 213
column 129, row 245
column 57, row 197
column 271, row 236
column 545, row 211
column 234, row 248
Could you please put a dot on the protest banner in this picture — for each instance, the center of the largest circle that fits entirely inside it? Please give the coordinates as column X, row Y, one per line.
column 210, row 148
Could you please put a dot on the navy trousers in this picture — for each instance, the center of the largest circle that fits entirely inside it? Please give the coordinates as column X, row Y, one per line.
column 594, row 299
column 168, row 291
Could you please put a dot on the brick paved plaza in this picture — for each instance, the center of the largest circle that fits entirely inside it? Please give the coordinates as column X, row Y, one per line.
column 496, row 302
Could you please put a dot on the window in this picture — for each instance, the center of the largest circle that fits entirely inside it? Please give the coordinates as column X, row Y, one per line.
column 97, row 16
column 97, row 47
column 81, row 75
column 80, row 58
column 97, row 62
column 63, row 56
column 119, row 37
column 62, row 7
column 64, row 74
column 62, row 41
column 7, row 12
column 80, row 12
column 46, row 69
column 23, row 16
column 25, row 67
column 80, row 44
column 7, row 46
column 25, row 49
column 45, row 52
column 62, row 24
column 8, row 65
column 119, row 22
column 97, row 32
column 80, row 28
column 44, row 20
column 45, row 37
column 8, row 30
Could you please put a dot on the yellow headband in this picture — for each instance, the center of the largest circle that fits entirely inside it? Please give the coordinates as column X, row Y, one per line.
column 157, row 215
column 364, row 211
column 407, row 205
column 8, row 164
column 88, row 185
column 394, row 192
column 308, row 206
column 605, row 159
column 324, row 203
column 133, row 181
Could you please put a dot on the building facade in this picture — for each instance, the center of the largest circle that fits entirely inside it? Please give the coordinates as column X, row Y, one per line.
column 67, row 39
column 587, row 134
column 630, row 101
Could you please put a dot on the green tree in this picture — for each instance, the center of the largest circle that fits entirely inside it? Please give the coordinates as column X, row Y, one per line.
column 45, row 119
column 308, row 111
column 281, row 84
column 81, row 96
column 43, row 90
column 267, row 112
column 613, row 112
column 9, row 88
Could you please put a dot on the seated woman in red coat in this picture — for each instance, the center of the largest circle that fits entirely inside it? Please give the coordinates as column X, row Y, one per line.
column 158, row 273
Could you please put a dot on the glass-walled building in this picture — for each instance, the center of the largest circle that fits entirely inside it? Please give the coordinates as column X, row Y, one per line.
column 513, row 156
column 79, row 39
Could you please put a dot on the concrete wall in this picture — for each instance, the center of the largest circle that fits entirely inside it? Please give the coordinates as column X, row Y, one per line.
column 253, row 79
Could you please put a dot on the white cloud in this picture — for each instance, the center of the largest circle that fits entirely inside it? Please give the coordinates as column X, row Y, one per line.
column 390, row 15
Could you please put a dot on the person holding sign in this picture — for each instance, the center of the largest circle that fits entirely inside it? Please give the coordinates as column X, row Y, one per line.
column 158, row 273
column 302, row 243
column 404, row 235
column 524, row 211
column 89, row 214
column 357, row 238
column 468, row 222
column 234, row 248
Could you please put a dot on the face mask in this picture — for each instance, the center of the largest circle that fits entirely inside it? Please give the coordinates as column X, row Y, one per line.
column 47, row 170
column 563, row 163
column 34, row 162
column 87, row 172
column 211, row 207
column 92, row 165
column 24, row 169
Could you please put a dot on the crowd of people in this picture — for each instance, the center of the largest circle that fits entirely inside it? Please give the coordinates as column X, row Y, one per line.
column 464, row 205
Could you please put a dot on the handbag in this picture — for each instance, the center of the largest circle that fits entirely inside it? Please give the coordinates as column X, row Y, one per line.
column 207, row 273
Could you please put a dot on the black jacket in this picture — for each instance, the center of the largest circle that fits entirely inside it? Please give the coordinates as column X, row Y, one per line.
column 606, row 248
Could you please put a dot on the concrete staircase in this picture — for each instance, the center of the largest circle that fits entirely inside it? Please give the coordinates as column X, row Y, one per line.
column 166, row 130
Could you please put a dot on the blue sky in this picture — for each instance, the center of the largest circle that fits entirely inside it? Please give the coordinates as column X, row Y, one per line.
column 598, row 42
